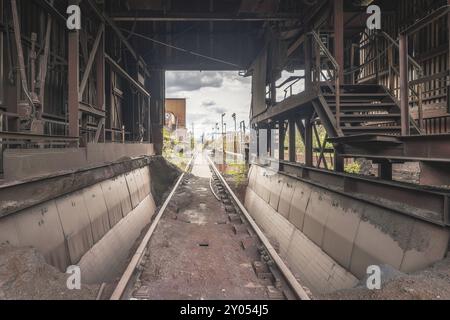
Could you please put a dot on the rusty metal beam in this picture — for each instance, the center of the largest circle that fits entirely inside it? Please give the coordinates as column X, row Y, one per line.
column 145, row 15
column 424, row 203
column 51, row 10
column 73, row 80
column 292, row 140
column 308, row 143
column 126, row 75
column 18, row 39
column 107, row 20
column 44, row 60
column 404, row 86
column 339, row 36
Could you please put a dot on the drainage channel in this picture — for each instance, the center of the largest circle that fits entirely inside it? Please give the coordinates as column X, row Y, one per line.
column 204, row 245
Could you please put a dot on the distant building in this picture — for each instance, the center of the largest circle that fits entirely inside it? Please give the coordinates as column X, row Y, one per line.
column 175, row 118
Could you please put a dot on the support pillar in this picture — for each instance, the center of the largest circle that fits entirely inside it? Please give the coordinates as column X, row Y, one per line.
column 308, row 64
column 157, row 109
column 448, row 58
column 339, row 36
column 308, row 143
column 74, row 81
column 338, row 163
column 282, row 136
column 385, row 170
column 100, row 74
column 404, row 90
column 292, row 139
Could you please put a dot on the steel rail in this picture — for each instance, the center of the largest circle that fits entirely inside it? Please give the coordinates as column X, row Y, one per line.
column 140, row 252
column 286, row 272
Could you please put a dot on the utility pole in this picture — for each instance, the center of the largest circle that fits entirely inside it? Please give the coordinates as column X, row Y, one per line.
column 234, row 134
column 223, row 135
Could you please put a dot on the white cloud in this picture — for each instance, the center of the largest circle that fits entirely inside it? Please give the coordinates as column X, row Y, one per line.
column 209, row 94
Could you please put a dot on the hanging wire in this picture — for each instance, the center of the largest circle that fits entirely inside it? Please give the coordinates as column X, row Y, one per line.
column 180, row 49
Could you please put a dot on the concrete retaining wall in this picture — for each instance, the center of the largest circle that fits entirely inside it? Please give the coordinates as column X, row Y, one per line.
column 94, row 227
column 329, row 240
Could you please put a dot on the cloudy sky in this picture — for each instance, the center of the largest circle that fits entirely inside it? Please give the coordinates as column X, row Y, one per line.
column 209, row 94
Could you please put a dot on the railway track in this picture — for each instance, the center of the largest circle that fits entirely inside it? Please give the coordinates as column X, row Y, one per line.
column 271, row 270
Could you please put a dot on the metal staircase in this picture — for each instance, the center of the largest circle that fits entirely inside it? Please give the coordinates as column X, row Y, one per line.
column 364, row 109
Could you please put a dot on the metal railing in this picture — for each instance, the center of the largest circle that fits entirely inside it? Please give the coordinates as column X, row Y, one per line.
column 330, row 77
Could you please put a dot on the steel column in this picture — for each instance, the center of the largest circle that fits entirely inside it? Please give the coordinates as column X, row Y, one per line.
column 339, row 36
column 307, row 49
column 308, row 143
column 74, row 80
column 281, row 138
column 100, row 75
column 404, row 90
column 292, row 138
column 385, row 170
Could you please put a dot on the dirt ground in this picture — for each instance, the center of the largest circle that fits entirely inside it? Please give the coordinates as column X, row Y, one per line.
column 194, row 253
column 24, row 275
column 430, row 284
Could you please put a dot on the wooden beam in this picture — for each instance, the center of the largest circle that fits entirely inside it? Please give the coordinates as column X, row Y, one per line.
column 91, row 61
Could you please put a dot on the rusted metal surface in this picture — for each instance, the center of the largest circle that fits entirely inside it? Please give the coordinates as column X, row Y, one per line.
column 19, row 195
column 425, row 203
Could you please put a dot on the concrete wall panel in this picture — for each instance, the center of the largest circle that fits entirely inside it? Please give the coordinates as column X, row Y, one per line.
column 139, row 184
column 381, row 239
column 344, row 236
column 112, row 200
column 315, row 268
column 275, row 185
column 41, row 228
column 252, row 176
column 146, row 178
column 428, row 244
column 108, row 257
column 133, row 188
column 286, row 195
column 76, row 225
column 124, row 195
column 97, row 210
column 340, row 231
column 320, row 205
column 299, row 204
column 262, row 184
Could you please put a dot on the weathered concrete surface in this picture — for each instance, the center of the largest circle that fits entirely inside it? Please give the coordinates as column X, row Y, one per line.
column 19, row 195
column 108, row 206
column 352, row 233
